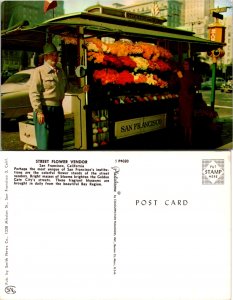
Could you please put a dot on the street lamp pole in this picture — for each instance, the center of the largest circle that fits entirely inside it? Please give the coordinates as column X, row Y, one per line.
column 213, row 83
column 216, row 34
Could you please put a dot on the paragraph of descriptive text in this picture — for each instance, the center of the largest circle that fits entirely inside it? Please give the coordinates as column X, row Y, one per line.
column 61, row 172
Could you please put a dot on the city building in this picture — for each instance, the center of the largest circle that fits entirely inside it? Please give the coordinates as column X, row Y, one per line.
column 185, row 14
column 197, row 16
column 224, row 64
column 171, row 10
column 16, row 12
column 227, row 58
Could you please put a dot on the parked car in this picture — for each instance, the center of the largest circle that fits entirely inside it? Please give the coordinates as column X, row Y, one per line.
column 15, row 102
column 219, row 82
column 6, row 74
column 206, row 85
column 227, row 87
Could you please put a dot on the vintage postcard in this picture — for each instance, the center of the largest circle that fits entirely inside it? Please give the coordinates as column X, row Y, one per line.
column 130, row 198
column 115, row 225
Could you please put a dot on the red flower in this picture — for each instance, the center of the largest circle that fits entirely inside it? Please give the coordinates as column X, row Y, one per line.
column 163, row 66
column 124, row 77
column 105, row 76
column 128, row 62
column 113, row 60
column 96, row 57
column 153, row 65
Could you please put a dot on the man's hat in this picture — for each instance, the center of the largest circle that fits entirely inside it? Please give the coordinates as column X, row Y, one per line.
column 49, row 48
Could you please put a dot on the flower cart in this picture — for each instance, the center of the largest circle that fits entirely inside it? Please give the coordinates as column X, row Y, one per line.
column 134, row 98
column 127, row 60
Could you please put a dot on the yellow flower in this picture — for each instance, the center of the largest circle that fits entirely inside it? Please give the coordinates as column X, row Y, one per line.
column 150, row 80
column 142, row 63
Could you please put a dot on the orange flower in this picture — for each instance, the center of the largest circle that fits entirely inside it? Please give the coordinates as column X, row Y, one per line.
column 140, row 78
column 147, row 49
column 136, row 49
column 94, row 44
column 165, row 53
column 98, row 58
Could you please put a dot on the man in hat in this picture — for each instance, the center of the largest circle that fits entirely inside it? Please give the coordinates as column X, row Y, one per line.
column 46, row 95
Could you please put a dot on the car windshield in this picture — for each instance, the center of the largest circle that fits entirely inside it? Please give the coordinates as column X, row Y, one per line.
column 18, row 78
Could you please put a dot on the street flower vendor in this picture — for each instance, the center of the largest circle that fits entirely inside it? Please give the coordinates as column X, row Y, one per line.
column 47, row 91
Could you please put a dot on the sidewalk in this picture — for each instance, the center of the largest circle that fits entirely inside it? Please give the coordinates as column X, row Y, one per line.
column 219, row 134
column 226, row 134
column 226, row 147
column 225, row 114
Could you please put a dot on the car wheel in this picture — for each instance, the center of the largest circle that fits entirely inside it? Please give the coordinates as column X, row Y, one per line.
column 7, row 125
column 12, row 124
